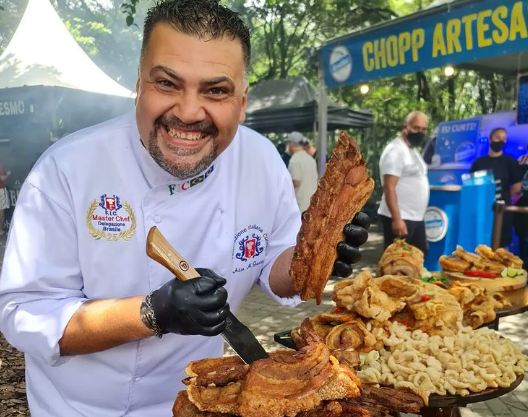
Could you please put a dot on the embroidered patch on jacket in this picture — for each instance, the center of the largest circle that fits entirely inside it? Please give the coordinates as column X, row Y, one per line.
column 107, row 218
column 249, row 244
column 193, row 182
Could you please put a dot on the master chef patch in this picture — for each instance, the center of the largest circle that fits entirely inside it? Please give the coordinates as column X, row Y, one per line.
column 249, row 244
column 109, row 218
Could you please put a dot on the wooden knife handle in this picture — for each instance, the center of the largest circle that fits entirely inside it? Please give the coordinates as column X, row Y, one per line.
column 159, row 249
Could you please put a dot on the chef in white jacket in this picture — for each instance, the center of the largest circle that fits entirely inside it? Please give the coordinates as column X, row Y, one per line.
column 78, row 294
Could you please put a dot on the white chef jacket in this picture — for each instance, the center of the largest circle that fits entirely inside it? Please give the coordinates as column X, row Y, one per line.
column 412, row 189
column 79, row 233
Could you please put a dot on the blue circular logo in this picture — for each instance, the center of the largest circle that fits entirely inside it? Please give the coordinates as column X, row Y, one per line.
column 340, row 64
column 436, row 224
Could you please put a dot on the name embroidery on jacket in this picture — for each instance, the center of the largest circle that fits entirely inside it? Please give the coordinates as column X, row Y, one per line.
column 249, row 244
column 107, row 218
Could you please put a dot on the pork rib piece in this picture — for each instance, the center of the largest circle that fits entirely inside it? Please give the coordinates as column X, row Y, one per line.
column 341, row 193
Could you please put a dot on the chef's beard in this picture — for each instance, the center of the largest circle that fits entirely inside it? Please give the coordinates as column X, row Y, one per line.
column 174, row 165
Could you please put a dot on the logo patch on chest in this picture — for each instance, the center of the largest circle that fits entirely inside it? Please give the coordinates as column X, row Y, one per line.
column 110, row 219
column 249, row 243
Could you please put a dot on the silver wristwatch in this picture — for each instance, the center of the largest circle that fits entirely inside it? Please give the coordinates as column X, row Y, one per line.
column 148, row 317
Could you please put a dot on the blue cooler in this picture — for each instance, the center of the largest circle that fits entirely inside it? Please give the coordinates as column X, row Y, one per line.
column 459, row 215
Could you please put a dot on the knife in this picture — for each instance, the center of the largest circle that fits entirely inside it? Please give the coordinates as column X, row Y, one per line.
column 236, row 334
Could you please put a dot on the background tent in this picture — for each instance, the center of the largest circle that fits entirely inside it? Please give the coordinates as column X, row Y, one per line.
column 49, row 87
column 292, row 104
column 43, row 52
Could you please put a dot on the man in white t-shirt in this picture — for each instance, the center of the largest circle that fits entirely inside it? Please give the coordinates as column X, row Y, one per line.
column 303, row 169
column 405, row 185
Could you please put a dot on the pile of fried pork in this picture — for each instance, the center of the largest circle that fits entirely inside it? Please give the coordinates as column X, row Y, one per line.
column 309, row 382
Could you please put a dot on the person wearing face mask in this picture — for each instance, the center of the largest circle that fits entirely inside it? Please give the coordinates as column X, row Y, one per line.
column 405, row 185
column 507, row 176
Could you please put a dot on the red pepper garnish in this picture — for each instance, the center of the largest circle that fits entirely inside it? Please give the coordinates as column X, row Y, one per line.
column 481, row 274
column 403, row 255
column 338, row 310
column 425, row 297
column 404, row 323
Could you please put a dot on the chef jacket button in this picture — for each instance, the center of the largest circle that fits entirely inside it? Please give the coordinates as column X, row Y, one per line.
column 223, row 272
column 157, row 219
column 137, row 379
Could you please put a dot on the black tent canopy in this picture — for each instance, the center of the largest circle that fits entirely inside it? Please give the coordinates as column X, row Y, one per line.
column 292, row 104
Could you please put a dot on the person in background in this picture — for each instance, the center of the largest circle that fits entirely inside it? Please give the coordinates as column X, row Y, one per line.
column 303, row 170
column 4, row 198
column 310, row 149
column 281, row 147
column 405, row 185
column 507, row 176
column 520, row 220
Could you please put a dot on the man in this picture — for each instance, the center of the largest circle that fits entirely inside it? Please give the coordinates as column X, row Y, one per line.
column 303, row 170
column 507, row 176
column 78, row 294
column 405, row 185
column 4, row 198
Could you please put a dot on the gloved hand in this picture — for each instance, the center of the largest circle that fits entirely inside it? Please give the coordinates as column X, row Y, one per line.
column 347, row 251
column 196, row 306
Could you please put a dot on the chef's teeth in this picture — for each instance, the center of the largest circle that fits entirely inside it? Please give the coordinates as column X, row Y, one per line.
column 186, row 136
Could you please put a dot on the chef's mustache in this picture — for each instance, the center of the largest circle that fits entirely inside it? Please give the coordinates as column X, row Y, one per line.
column 204, row 126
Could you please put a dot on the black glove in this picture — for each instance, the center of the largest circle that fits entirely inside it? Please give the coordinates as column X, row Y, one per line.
column 196, row 306
column 347, row 251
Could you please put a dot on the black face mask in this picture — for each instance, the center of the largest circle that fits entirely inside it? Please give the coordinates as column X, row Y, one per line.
column 497, row 146
column 415, row 138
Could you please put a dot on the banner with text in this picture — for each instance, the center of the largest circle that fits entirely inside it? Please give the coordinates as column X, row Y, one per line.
column 467, row 33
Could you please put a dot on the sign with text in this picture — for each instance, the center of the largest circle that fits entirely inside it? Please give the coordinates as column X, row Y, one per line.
column 456, row 141
column 466, row 33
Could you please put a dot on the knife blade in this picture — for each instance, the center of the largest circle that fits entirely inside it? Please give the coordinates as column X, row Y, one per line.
column 236, row 334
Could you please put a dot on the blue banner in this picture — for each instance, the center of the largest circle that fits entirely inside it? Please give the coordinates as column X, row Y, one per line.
column 463, row 34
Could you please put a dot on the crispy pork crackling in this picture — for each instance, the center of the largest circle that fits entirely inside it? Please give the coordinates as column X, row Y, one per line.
column 341, row 193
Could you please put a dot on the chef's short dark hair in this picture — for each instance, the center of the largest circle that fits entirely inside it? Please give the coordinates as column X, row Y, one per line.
column 204, row 19
column 497, row 129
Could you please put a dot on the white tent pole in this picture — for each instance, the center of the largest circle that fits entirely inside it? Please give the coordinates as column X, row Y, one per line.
column 323, row 118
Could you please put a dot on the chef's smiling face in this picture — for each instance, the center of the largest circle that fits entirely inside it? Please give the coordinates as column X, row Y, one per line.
column 191, row 97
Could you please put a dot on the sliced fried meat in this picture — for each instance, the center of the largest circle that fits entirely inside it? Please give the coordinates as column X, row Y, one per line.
column 363, row 296
column 216, row 399
column 341, row 193
column 196, row 368
column 453, row 264
column 487, row 253
column 399, row 400
column 351, row 335
column 461, row 253
column 347, row 292
column 347, row 357
column 336, row 314
column 509, row 259
column 183, row 407
column 287, row 383
column 396, row 287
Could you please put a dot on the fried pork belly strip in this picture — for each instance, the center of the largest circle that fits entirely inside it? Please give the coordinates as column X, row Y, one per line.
column 453, row 264
column 341, row 193
column 376, row 402
column 509, row 259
